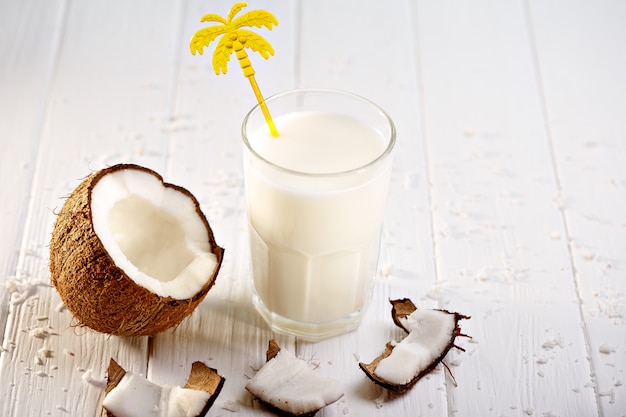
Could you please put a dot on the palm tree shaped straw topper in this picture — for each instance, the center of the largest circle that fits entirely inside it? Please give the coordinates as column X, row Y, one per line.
column 235, row 39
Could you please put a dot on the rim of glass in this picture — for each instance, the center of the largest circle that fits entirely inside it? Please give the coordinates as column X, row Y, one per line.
column 379, row 110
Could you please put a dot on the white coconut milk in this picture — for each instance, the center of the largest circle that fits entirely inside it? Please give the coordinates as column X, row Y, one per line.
column 315, row 234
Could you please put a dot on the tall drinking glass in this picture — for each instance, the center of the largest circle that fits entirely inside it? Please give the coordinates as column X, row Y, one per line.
column 316, row 197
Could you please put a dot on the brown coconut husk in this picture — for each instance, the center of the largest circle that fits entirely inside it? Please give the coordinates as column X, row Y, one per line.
column 98, row 293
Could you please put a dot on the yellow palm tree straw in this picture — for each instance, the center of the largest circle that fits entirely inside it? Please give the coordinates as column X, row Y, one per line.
column 236, row 39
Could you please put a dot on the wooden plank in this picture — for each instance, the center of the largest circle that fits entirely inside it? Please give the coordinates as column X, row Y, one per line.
column 585, row 99
column 494, row 215
column 25, row 71
column 105, row 105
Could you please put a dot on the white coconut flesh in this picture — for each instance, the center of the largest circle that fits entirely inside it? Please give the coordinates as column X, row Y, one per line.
column 430, row 333
column 153, row 233
column 135, row 396
column 289, row 384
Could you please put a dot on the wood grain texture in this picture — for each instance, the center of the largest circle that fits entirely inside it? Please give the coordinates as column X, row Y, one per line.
column 582, row 75
column 507, row 198
column 494, row 214
column 25, row 76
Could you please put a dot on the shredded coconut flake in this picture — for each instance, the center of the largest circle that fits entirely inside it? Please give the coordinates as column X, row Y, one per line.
column 45, row 352
column 231, row 405
column 39, row 333
column 387, row 270
column 88, row 377
column 609, row 393
column 551, row 344
column 606, row 348
column 379, row 401
column 19, row 290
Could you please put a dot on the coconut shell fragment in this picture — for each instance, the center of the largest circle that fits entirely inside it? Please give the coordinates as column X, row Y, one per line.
column 431, row 335
column 115, row 373
column 203, row 382
column 94, row 276
column 289, row 387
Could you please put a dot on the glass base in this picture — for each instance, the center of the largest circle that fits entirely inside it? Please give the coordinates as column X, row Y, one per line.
column 310, row 332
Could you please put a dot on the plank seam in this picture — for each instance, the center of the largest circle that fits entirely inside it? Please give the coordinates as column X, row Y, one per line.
column 555, row 170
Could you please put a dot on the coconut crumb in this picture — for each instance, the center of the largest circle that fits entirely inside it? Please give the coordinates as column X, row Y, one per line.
column 88, row 377
column 19, row 290
column 455, row 362
column 387, row 270
column 231, row 405
column 551, row 344
column 45, row 352
column 606, row 348
column 435, row 294
column 589, row 256
column 39, row 333
column 380, row 400
column 609, row 393
column 529, row 411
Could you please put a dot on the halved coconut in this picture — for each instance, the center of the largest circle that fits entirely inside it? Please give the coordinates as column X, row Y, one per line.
column 431, row 335
column 289, row 386
column 131, row 395
column 130, row 254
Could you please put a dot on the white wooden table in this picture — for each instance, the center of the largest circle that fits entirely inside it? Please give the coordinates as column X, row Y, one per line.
column 508, row 199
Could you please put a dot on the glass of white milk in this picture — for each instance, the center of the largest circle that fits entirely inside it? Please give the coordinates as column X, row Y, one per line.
column 316, row 197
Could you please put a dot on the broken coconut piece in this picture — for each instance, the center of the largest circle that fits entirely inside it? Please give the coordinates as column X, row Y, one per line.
column 131, row 255
column 131, row 395
column 432, row 334
column 289, row 386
